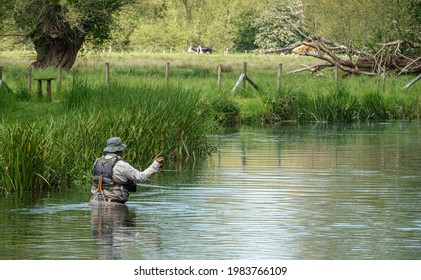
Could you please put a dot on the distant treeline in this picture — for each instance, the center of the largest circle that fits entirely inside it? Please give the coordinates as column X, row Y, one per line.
column 237, row 25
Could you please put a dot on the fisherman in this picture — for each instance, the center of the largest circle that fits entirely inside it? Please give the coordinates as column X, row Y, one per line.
column 115, row 178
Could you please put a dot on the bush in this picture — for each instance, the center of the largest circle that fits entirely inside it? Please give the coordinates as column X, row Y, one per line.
column 226, row 110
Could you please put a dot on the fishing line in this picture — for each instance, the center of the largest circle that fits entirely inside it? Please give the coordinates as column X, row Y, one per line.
column 152, row 186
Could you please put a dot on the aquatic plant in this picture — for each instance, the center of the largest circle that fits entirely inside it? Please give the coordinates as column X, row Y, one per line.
column 23, row 164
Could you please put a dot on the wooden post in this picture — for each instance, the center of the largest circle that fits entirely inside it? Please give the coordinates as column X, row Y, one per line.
column 279, row 80
column 337, row 75
column 219, row 77
column 107, row 74
column 241, row 79
column 383, row 79
column 245, row 73
column 30, row 79
column 1, row 73
column 167, row 73
column 59, row 75
column 49, row 89
column 39, row 88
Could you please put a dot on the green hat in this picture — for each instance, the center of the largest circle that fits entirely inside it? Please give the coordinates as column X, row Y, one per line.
column 114, row 144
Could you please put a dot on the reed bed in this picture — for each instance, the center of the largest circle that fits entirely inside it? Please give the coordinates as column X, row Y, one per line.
column 23, row 159
column 59, row 149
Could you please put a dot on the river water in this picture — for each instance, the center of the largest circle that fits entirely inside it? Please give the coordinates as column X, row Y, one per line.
column 300, row 192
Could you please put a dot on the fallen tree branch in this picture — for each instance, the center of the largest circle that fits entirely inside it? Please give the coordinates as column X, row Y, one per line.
column 313, row 68
column 388, row 58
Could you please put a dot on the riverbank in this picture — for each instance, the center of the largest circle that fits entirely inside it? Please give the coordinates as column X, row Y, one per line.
column 167, row 104
column 301, row 97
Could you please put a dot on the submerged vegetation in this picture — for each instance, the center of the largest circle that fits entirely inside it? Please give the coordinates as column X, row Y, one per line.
column 54, row 143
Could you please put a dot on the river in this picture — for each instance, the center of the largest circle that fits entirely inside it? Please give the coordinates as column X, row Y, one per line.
column 299, row 192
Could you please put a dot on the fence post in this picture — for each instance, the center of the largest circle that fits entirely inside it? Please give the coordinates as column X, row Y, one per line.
column 59, row 75
column 383, row 79
column 337, row 75
column 219, row 77
column 245, row 73
column 279, row 80
column 167, row 73
column 49, row 89
column 107, row 74
column 30, row 78
column 39, row 88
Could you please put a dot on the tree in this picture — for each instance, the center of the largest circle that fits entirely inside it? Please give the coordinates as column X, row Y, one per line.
column 6, row 6
column 280, row 25
column 246, row 32
column 180, row 23
column 364, row 24
column 58, row 28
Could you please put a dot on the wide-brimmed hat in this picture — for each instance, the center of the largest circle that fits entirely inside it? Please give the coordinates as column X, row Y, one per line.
column 114, row 144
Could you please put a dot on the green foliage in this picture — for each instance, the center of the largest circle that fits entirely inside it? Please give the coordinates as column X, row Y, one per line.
column 7, row 98
column 364, row 24
column 59, row 28
column 6, row 7
column 178, row 24
column 285, row 105
column 24, row 94
column 372, row 106
column 23, row 161
column 174, row 25
column 280, row 25
column 173, row 119
column 244, row 37
column 227, row 110
column 60, row 149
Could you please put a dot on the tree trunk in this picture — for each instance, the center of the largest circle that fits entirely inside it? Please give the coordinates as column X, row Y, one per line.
column 56, row 52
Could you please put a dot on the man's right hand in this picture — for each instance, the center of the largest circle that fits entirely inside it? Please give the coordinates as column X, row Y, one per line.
column 160, row 160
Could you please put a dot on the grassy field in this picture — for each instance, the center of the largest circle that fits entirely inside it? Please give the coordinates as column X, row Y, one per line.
column 54, row 143
column 302, row 97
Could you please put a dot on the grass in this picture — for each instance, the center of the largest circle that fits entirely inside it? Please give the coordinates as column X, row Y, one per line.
column 175, row 119
column 152, row 120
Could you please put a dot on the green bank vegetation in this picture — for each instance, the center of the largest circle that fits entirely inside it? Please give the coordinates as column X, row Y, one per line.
column 54, row 143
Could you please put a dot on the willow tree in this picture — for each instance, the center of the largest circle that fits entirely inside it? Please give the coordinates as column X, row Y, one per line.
column 365, row 24
column 58, row 28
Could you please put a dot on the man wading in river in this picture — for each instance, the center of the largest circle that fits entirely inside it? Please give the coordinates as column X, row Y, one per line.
column 115, row 178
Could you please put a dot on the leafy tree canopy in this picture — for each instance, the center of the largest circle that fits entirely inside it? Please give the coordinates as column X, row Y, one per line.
column 58, row 28
column 364, row 24
column 280, row 25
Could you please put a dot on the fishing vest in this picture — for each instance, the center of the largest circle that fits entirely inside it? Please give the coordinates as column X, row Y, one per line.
column 105, row 167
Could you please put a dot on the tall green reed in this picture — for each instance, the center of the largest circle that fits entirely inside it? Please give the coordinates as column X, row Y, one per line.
column 61, row 148
column 168, row 121
column 23, row 165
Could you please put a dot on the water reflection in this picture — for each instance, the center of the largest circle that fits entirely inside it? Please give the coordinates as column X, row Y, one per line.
column 116, row 234
column 111, row 228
